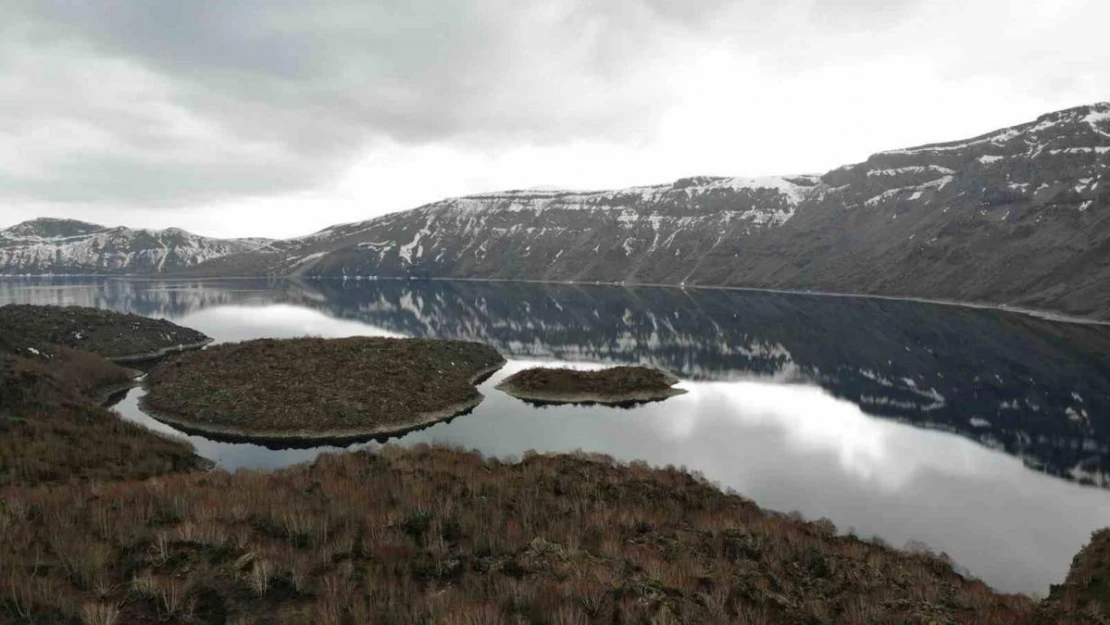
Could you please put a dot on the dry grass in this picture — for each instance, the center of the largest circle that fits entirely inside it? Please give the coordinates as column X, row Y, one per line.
column 52, row 430
column 105, row 333
column 65, row 374
column 435, row 535
column 1084, row 598
column 79, row 441
column 305, row 387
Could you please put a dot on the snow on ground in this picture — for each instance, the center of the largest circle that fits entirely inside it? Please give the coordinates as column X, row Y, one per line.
column 918, row 190
column 1099, row 115
column 1100, row 149
column 115, row 248
column 997, row 138
column 916, row 169
column 531, row 198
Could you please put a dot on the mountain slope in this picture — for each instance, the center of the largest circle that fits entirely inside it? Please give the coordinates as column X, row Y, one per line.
column 65, row 246
column 1018, row 216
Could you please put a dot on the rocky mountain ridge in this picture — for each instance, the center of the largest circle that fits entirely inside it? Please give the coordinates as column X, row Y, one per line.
column 1019, row 216
column 67, row 246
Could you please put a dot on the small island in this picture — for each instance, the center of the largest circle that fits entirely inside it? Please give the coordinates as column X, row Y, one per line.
column 310, row 389
column 615, row 386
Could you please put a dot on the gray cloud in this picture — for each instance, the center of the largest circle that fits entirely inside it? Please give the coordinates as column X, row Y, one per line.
column 168, row 102
column 289, row 91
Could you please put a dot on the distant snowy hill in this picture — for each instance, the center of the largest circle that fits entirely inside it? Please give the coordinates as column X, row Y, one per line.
column 65, row 246
column 1019, row 216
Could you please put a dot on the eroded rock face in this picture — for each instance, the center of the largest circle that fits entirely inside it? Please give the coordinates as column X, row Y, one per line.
column 1018, row 216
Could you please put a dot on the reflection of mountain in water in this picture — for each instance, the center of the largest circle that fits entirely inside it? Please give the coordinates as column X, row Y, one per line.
column 152, row 298
column 1037, row 389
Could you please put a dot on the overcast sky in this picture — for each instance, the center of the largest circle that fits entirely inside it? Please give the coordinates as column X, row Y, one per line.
column 280, row 117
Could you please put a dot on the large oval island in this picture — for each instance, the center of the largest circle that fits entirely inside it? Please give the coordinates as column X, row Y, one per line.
column 309, row 389
column 615, row 386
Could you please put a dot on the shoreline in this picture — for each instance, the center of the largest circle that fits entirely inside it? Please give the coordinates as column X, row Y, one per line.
column 103, row 394
column 323, row 437
column 615, row 399
column 160, row 353
column 514, row 387
column 1047, row 315
column 1038, row 313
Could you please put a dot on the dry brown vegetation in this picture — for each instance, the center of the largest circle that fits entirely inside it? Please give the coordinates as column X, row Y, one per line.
column 614, row 385
column 51, row 430
column 305, row 388
column 428, row 535
column 436, row 535
column 62, row 373
column 1084, row 598
column 83, row 442
column 51, row 426
column 109, row 334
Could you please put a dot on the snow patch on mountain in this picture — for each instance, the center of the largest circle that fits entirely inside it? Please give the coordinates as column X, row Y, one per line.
column 915, row 169
column 1092, row 116
column 918, row 191
column 793, row 188
column 67, row 246
column 1099, row 115
column 999, row 138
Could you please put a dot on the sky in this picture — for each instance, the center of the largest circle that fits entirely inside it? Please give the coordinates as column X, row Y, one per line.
column 279, row 117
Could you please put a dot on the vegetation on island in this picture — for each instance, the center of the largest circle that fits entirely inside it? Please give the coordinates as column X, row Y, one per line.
column 614, row 385
column 116, row 336
column 319, row 388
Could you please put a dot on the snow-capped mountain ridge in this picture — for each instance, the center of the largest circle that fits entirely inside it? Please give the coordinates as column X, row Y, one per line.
column 794, row 187
column 61, row 246
column 1017, row 216
column 1014, row 216
column 49, row 227
column 1094, row 115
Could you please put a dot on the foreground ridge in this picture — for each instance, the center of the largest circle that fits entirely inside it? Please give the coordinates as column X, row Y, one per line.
column 434, row 535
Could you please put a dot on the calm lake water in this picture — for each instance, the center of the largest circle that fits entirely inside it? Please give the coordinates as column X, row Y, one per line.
column 980, row 433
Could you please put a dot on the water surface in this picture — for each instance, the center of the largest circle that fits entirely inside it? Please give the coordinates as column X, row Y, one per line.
column 978, row 432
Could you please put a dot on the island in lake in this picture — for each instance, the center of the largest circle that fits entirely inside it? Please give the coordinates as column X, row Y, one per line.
column 616, row 386
column 319, row 389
